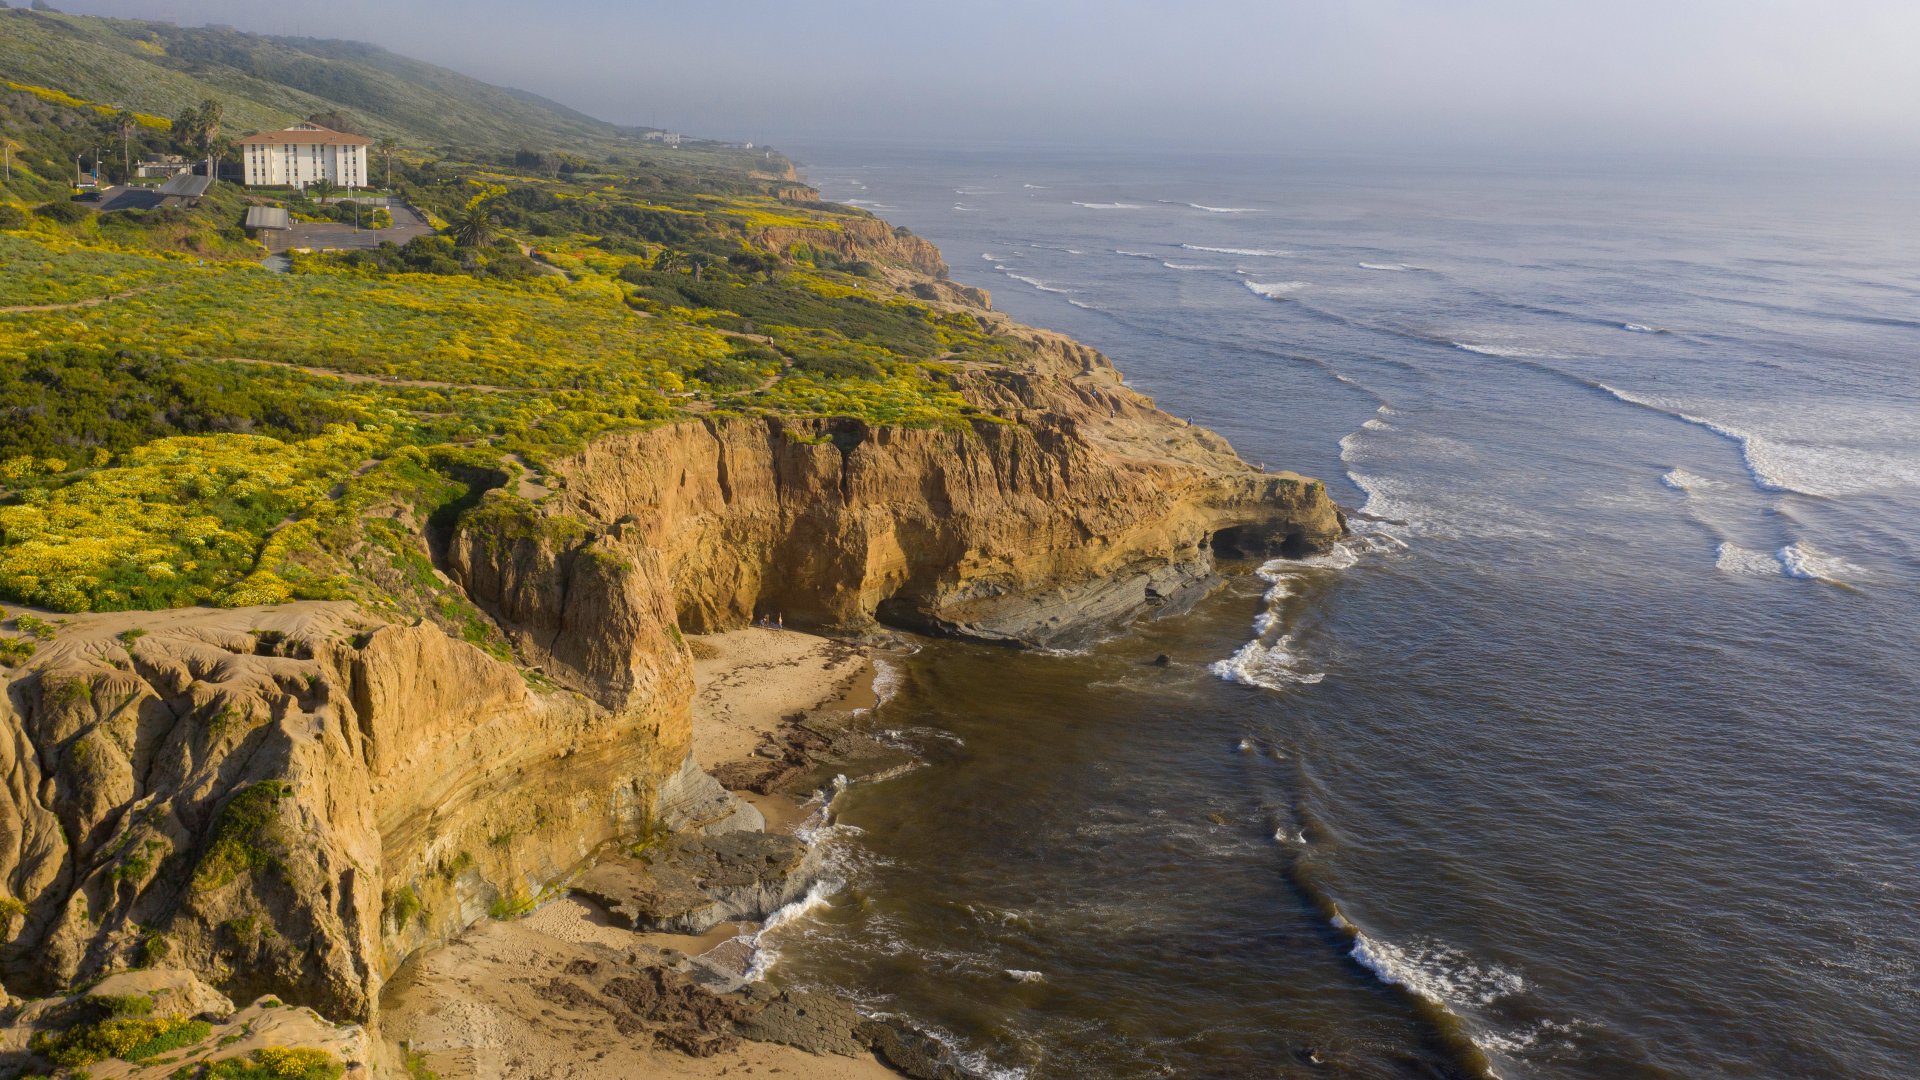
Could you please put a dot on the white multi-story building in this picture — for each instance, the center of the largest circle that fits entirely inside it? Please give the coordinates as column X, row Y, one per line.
column 302, row 154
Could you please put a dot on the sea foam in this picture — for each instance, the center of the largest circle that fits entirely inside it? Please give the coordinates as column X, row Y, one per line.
column 1275, row 290
column 1038, row 284
column 1251, row 253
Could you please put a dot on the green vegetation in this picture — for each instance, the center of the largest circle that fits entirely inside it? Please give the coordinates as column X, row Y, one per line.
column 244, row 838
column 180, row 425
column 402, row 905
column 129, row 1038
column 269, row 1063
column 512, row 906
column 15, row 651
column 416, row 1063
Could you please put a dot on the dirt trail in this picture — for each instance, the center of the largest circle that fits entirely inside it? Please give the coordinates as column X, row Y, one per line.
column 91, row 301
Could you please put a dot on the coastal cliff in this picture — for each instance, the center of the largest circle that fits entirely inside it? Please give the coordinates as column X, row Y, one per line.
column 293, row 799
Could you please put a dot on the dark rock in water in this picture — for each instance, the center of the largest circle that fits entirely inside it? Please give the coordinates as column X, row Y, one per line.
column 1163, row 660
column 696, row 883
column 917, row 1055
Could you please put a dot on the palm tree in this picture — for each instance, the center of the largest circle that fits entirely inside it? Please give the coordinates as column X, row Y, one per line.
column 321, row 189
column 387, row 146
column 207, row 126
column 474, row 228
column 126, row 122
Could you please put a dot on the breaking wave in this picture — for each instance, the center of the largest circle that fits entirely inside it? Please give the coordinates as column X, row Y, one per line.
column 1783, row 465
column 1682, row 480
column 1038, row 284
column 765, row 956
column 1398, row 268
column 1799, row 560
column 1433, row 970
column 1251, row 253
column 1188, row 266
column 1509, row 352
column 1111, row 205
column 1808, row 563
column 967, row 209
column 1227, row 209
column 1276, row 290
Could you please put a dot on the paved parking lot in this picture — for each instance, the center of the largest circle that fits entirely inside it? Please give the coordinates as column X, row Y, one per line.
column 407, row 224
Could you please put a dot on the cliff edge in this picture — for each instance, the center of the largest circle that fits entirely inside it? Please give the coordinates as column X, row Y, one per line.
column 293, row 799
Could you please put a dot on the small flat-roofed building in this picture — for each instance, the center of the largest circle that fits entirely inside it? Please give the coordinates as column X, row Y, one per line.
column 186, row 187
column 162, row 165
column 303, row 153
column 268, row 217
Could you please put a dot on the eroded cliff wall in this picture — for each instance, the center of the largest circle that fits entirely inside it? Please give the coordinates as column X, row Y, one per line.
column 293, row 799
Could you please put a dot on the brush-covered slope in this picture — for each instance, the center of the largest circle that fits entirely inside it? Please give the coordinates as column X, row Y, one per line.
column 269, row 82
column 344, row 600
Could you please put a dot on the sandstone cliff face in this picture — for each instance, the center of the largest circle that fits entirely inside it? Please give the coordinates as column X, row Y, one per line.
column 1090, row 507
column 871, row 239
column 291, row 799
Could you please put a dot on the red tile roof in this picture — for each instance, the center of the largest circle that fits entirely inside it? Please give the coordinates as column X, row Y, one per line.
column 305, row 136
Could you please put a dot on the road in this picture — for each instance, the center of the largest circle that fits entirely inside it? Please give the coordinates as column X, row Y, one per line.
column 407, row 224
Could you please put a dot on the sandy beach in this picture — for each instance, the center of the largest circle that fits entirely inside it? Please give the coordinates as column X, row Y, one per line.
column 750, row 679
column 529, row 997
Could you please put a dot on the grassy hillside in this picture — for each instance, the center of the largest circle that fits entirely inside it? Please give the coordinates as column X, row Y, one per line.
column 180, row 424
column 271, row 82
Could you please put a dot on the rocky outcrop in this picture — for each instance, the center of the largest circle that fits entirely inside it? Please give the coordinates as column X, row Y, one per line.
column 869, row 239
column 694, row 883
column 1078, row 505
column 292, row 799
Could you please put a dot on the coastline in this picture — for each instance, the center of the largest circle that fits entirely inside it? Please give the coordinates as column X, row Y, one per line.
column 515, row 997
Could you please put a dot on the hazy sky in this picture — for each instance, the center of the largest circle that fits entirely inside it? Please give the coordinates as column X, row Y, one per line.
column 1796, row 76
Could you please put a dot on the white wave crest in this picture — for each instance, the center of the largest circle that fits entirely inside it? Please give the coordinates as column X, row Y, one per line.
column 1808, row 563
column 1136, row 254
column 1398, row 268
column 1251, row 253
column 1682, row 480
column 1018, row 975
column 1035, row 187
column 1731, row 558
column 1784, row 465
column 1038, row 284
column 1271, row 667
column 887, row 678
column 967, row 209
column 1435, row 971
column 1642, row 328
column 1188, row 266
column 1083, row 304
column 974, row 191
column 1110, row 205
column 1227, row 209
column 765, row 956
column 1275, row 290
column 1510, row 352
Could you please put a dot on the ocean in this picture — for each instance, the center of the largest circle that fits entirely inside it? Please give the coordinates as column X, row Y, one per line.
column 1593, row 753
